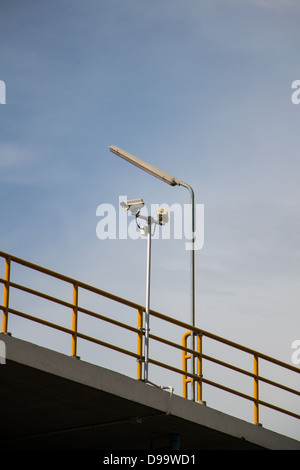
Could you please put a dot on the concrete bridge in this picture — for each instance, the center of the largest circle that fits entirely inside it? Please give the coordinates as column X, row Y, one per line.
column 53, row 401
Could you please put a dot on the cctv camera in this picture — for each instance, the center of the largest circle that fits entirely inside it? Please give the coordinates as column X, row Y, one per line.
column 134, row 205
column 163, row 217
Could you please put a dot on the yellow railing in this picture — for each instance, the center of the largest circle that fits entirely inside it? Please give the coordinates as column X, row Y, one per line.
column 200, row 380
column 189, row 379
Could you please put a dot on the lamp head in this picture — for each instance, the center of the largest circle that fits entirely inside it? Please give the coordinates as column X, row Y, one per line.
column 171, row 180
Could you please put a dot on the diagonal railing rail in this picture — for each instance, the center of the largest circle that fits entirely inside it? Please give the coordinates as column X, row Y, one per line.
column 10, row 287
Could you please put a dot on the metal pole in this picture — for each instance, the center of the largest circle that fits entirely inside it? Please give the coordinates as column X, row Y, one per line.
column 147, row 317
column 192, row 264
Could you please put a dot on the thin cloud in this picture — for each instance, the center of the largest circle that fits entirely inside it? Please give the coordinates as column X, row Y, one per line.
column 275, row 4
column 12, row 156
column 267, row 4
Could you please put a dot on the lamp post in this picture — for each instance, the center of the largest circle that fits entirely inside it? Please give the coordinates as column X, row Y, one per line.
column 172, row 181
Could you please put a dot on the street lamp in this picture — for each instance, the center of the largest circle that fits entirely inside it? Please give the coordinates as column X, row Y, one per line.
column 172, row 181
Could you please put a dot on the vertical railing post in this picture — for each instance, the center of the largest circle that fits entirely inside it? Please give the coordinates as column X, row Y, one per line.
column 139, row 371
column 185, row 357
column 199, row 367
column 256, row 390
column 6, row 295
column 74, row 320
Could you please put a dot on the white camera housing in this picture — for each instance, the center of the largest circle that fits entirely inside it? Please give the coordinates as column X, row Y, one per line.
column 134, row 205
column 163, row 216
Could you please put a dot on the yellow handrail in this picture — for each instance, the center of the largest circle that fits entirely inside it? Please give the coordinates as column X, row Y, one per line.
column 256, row 386
column 6, row 293
column 185, row 357
column 74, row 319
column 140, row 345
column 187, row 377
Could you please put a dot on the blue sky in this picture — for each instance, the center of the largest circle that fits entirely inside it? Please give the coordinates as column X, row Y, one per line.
column 200, row 89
